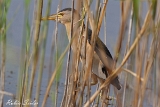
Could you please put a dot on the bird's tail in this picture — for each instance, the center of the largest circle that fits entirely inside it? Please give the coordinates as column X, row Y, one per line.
column 116, row 83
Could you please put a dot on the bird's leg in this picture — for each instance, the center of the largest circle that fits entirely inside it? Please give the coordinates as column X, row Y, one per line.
column 104, row 93
column 74, row 88
column 94, row 79
column 93, row 82
column 104, row 96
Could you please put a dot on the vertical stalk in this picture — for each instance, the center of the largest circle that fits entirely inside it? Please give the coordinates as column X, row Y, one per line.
column 56, row 50
column 35, row 48
column 24, row 64
column 128, row 62
column 42, row 57
column 3, row 49
column 4, row 5
column 71, row 36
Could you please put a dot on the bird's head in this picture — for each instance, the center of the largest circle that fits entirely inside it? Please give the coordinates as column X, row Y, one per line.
column 63, row 16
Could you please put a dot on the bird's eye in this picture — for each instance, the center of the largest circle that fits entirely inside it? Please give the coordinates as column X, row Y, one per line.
column 61, row 14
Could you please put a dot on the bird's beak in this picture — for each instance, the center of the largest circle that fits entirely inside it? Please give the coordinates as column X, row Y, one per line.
column 52, row 17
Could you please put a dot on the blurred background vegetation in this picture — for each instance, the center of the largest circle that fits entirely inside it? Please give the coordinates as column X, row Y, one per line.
column 34, row 54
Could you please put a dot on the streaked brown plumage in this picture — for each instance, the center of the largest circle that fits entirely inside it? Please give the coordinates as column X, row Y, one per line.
column 102, row 59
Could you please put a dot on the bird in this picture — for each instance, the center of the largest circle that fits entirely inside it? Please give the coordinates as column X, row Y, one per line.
column 102, row 58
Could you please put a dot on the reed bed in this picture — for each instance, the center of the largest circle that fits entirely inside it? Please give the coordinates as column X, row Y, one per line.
column 136, row 57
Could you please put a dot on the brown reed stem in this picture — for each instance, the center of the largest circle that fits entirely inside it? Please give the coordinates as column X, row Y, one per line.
column 117, row 71
column 124, row 15
column 42, row 57
column 3, row 48
column 35, row 48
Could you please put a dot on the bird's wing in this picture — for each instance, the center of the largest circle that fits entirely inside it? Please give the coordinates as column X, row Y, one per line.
column 103, row 53
column 106, row 58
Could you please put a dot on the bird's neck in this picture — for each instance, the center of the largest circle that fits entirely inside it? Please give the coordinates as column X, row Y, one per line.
column 75, row 29
column 75, row 35
column 68, row 29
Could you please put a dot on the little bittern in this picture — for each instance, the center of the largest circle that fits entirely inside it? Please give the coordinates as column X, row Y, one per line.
column 102, row 59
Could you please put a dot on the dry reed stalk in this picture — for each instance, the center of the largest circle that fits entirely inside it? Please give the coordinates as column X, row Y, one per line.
column 148, row 69
column 125, row 12
column 3, row 67
column 3, row 49
column 127, row 63
column 134, row 74
column 35, row 48
column 105, row 27
column 87, row 9
column 151, row 58
column 54, row 74
column 74, row 73
column 157, row 102
column 54, row 39
column 102, row 14
column 97, row 103
column 97, row 20
column 66, row 80
column 89, row 55
column 95, row 32
column 80, row 102
column 124, row 92
column 28, row 60
column 139, row 64
column 59, row 63
column 130, row 29
column 124, row 15
column 42, row 57
column 155, row 35
column 83, row 69
column 56, row 51
column 140, row 53
column 79, row 48
column 117, row 71
column 108, row 62
column 7, row 93
column 76, row 57
column 25, row 61
column 150, row 62
column 91, row 20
